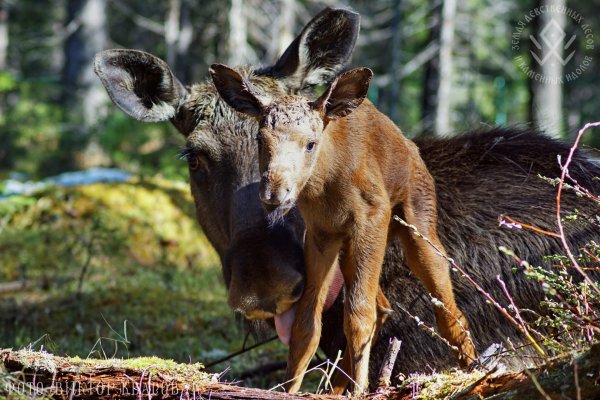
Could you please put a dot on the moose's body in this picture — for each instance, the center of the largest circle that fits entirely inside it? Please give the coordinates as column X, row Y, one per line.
column 478, row 177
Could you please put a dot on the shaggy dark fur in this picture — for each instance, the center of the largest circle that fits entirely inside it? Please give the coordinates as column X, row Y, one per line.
column 480, row 176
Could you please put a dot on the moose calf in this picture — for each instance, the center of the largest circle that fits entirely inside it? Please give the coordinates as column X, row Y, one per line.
column 349, row 169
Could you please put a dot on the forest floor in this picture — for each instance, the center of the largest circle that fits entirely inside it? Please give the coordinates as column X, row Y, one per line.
column 119, row 270
column 96, row 278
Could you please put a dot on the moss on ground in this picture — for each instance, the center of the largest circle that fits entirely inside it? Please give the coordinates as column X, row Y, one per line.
column 117, row 270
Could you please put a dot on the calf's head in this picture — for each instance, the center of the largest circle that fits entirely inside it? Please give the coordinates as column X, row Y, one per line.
column 291, row 130
column 262, row 264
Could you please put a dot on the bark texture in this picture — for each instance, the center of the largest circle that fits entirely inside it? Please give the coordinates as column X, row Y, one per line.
column 38, row 373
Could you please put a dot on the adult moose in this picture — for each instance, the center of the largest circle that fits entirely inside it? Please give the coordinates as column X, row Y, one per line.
column 478, row 177
column 348, row 168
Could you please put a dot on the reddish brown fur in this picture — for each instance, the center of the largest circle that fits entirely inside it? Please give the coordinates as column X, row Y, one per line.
column 364, row 172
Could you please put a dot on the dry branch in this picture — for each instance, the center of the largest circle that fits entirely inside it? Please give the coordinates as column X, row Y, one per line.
column 385, row 374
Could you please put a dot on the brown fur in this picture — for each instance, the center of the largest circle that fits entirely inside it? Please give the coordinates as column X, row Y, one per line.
column 349, row 169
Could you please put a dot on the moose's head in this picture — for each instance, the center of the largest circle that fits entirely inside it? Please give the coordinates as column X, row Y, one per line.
column 262, row 264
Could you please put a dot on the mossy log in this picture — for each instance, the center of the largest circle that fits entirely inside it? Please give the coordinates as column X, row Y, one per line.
column 27, row 374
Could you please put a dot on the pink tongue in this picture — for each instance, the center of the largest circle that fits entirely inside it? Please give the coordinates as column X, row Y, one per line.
column 284, row 321
column 334, row 289
column 283, row 324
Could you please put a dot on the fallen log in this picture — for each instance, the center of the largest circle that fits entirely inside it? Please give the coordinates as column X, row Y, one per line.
column 31, row 374
column 40, row 374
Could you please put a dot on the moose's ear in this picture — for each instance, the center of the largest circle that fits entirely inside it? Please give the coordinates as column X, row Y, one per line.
column 320, row 51
column 140, row 84
column 345, row 93
column 237, row 91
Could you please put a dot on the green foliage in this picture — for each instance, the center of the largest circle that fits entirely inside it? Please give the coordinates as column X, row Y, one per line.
column 37, row 137
column 102, row 244
column 572, row 296
column 13, row 205
column 30, row 133
column 573, row 303
column 7, row 81
column 142, row 148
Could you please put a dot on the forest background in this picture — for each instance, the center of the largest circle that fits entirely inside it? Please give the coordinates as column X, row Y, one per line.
column 441, row 67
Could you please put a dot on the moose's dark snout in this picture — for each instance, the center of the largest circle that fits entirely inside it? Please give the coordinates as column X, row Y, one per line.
column 264, row 269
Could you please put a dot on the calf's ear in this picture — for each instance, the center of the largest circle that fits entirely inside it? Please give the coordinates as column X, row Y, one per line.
column 344, row 94
column 320, row 51
column 240, row 94
column 140, row 84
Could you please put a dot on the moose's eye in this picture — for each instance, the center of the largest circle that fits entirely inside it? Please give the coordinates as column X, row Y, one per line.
column 194, row 163
column 310, row 146
column 198, row 162
column 259, row 138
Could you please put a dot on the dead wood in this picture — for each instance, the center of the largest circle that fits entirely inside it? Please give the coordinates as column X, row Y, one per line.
column 39, row 374
column 385, row 373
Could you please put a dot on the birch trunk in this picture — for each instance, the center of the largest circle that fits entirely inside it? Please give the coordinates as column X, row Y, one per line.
column 81, row 86
column 238, row 34
column 547, row 96
column 172, row 31
column 3, row 35
column 443, row 123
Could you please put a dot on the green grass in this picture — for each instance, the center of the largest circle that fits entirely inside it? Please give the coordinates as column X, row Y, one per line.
column 118, row 270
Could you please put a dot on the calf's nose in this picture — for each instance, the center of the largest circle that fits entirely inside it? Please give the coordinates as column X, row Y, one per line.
column 273, row 195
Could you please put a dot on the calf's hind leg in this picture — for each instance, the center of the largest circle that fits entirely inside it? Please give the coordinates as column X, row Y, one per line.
column 434, row 272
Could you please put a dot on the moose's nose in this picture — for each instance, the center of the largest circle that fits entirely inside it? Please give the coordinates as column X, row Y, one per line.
column 257, row 308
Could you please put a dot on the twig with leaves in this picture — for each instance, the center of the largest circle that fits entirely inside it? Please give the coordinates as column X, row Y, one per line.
column 565, row 169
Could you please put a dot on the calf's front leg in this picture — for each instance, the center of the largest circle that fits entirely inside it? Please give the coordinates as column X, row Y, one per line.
column 361, row 266
column 320, row 257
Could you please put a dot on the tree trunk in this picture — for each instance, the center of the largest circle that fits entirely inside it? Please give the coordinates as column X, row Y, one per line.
column 547, row 59
column 83, row 96
column 286, row 26
column 31, row 374
column 186, row 34
column 238, row 34
column 172, row 31
column 3, row 35
column 178, row 37
column 81, row 87
column 443, row 123
column 395, row 63
column 431, row 78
